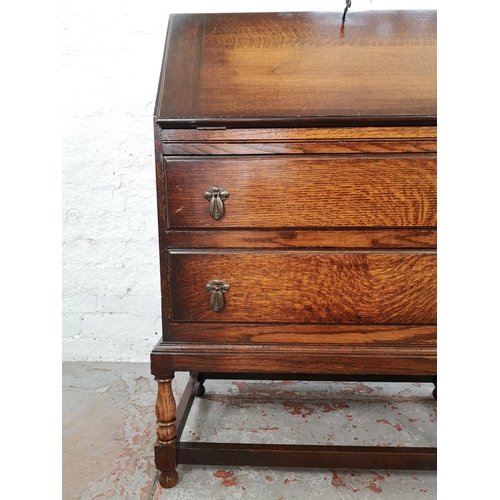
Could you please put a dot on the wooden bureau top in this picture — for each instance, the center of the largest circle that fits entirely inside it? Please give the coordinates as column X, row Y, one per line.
column 299, row 69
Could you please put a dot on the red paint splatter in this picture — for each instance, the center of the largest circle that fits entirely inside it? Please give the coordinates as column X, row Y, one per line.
column 373, row 487
column 360, row 387
column 269, row 428
column 412, row 419
column 384, row 421
column 227, row 476
column 241, row 385
column 298, row 409
column 328, row 407
column 268, row 478
column 288, row 481
column 283, row 382
column 337, row 481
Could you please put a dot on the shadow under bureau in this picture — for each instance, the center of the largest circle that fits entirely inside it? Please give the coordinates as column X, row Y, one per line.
column 296, row 186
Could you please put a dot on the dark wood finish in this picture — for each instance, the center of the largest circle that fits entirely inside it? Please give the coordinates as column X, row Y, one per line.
column 254, row 69
column 305, row 191
column 182, row 57
column 317, row 378
column 307, row 456
column 299, row 141
column 292, row 362
column 321, row 144
column 308, row 147
column 268, row 135
column 185, row 404
column 344, row 238
column 317, row 359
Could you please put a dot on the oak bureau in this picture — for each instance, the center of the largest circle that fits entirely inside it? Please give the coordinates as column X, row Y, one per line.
column 296, row 186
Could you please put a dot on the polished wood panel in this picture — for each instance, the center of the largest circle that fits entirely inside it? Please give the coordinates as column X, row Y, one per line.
column 317, row 287
column 347, row 363
column 272, row 68
column 245, row 135
column 182, row 57
column 304, row 147
column 305, row 191
column 299, row 140
column 296, row 238
column 303, row 334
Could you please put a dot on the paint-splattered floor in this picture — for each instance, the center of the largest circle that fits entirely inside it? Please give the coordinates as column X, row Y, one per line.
column 109, row 431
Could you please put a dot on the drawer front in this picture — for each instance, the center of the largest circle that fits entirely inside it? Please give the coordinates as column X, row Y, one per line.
column 304, row 287
column 306, row 191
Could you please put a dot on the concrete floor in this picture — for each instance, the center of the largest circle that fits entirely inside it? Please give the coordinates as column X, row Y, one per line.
column 109, row 431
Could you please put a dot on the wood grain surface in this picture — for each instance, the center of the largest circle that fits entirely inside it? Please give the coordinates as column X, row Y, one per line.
column 303, row 334
column 297, row 238
column 246, row 135
column 306, row 191
column 237, row 68
column 306, row 287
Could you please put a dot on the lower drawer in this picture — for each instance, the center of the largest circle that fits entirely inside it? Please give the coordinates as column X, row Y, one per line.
column 359, row 287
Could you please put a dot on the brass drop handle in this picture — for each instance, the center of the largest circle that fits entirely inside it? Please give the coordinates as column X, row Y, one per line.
column 217, row 289
column 216, row 196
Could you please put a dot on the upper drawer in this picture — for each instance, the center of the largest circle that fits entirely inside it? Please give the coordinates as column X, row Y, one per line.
column 303, row 191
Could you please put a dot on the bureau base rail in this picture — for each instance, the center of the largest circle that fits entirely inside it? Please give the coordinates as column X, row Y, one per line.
column 306, row 456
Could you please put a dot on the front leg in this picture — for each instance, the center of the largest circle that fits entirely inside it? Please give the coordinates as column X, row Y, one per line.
column 165, row 448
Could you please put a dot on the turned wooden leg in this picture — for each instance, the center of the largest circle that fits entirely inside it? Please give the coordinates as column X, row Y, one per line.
column 165, row 448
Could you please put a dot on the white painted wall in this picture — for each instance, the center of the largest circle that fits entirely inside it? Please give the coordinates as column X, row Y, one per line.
column 111, row 62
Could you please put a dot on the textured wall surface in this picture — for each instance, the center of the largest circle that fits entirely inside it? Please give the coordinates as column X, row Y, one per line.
column 111, row 63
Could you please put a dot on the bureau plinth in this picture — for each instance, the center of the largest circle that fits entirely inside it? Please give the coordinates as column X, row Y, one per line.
column 296, row 186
